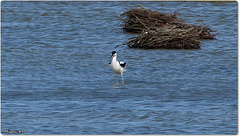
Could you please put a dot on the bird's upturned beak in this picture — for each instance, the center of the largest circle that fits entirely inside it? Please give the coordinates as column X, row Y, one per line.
column 111, row 55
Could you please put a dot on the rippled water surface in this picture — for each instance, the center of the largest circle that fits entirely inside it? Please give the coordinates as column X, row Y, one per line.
column 56, row 78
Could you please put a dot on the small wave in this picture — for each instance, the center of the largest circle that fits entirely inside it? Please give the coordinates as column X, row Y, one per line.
column 144, row 117
column 59, row 12
column 27, row 19
column 44, row 14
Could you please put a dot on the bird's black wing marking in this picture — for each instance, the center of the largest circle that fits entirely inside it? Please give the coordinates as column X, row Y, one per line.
column 122, row 64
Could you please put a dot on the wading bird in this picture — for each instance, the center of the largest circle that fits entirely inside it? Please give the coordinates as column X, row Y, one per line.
column 117, row 66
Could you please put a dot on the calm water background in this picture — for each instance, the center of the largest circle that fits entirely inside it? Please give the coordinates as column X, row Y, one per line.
column 56, row 78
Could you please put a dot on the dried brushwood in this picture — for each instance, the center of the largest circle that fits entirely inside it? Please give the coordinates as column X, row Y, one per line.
column 160, row 30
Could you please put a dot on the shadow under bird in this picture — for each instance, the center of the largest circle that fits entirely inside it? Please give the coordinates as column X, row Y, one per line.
column 118, row 67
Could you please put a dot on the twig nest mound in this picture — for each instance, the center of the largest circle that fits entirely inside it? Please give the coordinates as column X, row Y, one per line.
column 140, row 19
column 154, row 40
column 160, row 30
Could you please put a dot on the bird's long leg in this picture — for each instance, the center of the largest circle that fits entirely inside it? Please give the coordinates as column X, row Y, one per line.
column 122, row 77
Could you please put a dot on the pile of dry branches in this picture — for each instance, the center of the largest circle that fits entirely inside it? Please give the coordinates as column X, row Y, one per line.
column 159, row 30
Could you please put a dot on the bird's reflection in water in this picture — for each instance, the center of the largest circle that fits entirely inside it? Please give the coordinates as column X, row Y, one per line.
column 118, row 85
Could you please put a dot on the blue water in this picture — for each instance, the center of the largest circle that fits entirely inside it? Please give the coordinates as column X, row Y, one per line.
column 55, row 77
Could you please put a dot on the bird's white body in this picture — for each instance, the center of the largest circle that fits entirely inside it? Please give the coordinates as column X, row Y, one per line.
column 117, row 66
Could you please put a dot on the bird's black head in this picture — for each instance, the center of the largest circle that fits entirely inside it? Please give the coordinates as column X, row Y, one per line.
column 114, row 52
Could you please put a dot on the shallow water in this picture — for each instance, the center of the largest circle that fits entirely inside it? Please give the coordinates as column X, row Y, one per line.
column 56, row 78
